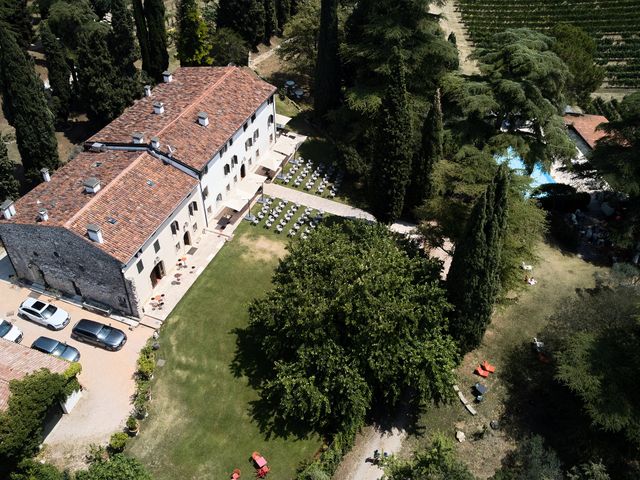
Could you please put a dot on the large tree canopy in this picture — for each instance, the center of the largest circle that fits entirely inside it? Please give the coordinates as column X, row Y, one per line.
column 356, row 316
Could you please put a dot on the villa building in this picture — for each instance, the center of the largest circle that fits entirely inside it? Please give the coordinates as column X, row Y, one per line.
column 109, row 224
column 583, row 130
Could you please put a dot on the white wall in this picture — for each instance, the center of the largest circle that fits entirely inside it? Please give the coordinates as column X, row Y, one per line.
column 215, row 179
column 168, row 241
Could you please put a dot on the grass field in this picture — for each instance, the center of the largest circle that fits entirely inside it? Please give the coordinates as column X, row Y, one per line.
column 200, row 423
column 506, row 345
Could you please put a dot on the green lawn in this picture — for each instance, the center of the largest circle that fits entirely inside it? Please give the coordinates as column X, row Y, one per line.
column 507, row 346
column 200, row 423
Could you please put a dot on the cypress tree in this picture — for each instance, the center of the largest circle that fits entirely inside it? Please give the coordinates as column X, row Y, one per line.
column 283, row 13
column 123, row 49
column 473, row 282
column 102, row 89
column 392, row 159
column 428, row 155
column 15, row 14
column 246, row 17
column 193, row 36
column 327, row 78
column 270, row 21
column 9, row 185
column 142, row 33
column 59, row 73
column 158, row 55
column 25, row 107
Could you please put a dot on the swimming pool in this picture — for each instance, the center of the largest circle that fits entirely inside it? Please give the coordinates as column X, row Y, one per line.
column 538, row 176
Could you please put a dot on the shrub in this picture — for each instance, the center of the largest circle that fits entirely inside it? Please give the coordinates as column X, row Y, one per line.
column 118, row 441
column 146, row 362
column 132, row 423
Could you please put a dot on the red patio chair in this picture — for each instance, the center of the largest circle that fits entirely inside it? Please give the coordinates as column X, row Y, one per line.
column 480, row 371
column 488, row 367
column 236, row 474
column 262, row 472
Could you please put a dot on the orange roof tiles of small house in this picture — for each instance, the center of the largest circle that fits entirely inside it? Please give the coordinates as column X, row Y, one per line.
column 130, row 210
column 17, row 361
column 228, row 95
column 585, row 126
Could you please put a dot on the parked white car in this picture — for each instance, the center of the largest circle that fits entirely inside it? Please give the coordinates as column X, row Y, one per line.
column 52, row 317
column 9, row 331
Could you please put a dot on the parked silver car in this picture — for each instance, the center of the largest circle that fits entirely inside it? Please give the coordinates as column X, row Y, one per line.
column 52, row 317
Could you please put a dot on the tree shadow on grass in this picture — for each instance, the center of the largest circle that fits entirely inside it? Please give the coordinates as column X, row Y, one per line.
column 249, row 363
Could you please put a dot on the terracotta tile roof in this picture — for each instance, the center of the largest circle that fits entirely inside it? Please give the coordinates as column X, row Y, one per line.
column 132, row 208
column 229, row 96
column 137, row 191
column 16, row 361
column 585, row 126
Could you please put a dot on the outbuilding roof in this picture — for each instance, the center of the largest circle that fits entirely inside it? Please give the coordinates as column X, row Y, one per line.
column 17, row 361
column 586, row 126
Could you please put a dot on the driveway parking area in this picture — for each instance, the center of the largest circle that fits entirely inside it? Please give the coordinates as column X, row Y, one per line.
column 107, row 378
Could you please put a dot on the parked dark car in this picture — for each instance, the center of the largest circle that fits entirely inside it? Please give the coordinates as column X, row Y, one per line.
column 98, row 334
column 56, row 348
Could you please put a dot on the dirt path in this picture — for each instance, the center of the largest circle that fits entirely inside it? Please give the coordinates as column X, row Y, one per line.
column 451, row 21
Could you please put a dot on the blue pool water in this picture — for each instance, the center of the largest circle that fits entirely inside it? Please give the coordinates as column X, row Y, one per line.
column 538, row 176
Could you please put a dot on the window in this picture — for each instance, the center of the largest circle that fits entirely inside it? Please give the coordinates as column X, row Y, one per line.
column 270, row 101
column 223, row 150
column 228, row 187
column 245, row 126
column 248, row 144
column 193, row 207
column 219, row 198
column 253, row 118
column 227, row 169
column 256, row 135
column 140, row 266
column 234, row 159
column 257, row 154
column 205, row 192
column 195, row 227
column 175, row 228
column 235, row 179
column 231, row 141
column 270, row 121
column 156, row 246
column 178, row 247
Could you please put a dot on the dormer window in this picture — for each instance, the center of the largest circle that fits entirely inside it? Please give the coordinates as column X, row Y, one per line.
column 8, row 209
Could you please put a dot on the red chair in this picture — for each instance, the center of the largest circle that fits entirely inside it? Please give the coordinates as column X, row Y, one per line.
column 480, row 371
column 488, row 367
column 236, row 474
column 262, row 472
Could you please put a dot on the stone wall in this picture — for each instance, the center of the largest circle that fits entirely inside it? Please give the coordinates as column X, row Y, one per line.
column 60, row 260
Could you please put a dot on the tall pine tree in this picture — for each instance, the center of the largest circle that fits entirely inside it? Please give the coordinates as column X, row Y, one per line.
column 283, row 13
column 9, row 185
column 122, row 46
column 25, row 107
column 59, row 73
column 246, row 17
column 158, row 56
column 142, row 33
column 392, row 161
column 193, row 36
column 16, row 15
column 428, row 155
column 270, row 21
column 473, row 282
column 327, row 78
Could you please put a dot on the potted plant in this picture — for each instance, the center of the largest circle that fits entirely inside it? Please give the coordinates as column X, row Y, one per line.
column 140, row 406
column 133, row 427
column 117, row 442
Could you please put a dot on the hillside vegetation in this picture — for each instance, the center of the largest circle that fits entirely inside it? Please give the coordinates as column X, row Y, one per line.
column 614, row 24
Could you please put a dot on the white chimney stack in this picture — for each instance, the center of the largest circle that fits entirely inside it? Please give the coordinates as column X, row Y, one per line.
column 155, row 142
column 91, row 185
column 167, row 77
column 158, row 108
column 45, row 174
column 203, row 119
column 43, row 215
column 95, row 233
column 147, row 90
column 8, row 209
column 138, row 138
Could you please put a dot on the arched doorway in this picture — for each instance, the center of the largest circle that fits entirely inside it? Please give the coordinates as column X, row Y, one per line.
column 157, row 273
column 243, row 170
column 187, row 238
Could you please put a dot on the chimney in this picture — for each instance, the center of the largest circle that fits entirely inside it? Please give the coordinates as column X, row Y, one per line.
column 147, row 90
column 138, row 138
column 95, row 233
column 98, row 147
column 158, row 108
column 155, row 142
column 203, row 119
column 43, row 215
column 91, row 185
column 167, row 77
column 8, row 209
column 45, row 174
